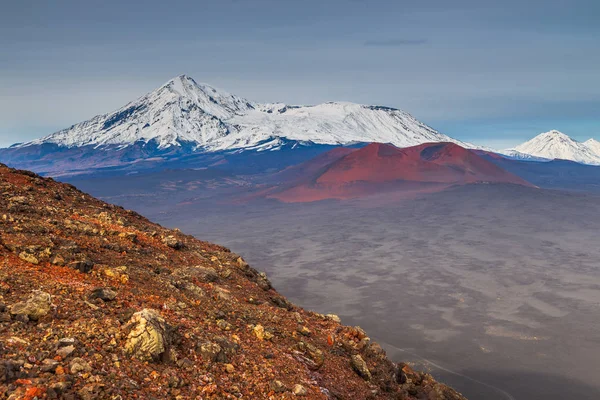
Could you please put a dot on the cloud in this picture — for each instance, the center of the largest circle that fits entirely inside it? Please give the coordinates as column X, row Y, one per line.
column 395, row 42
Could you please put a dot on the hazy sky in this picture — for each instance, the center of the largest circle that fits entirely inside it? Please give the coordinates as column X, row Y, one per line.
column 490, row 72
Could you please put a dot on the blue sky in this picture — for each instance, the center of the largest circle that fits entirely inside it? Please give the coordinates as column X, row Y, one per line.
column 493, row 73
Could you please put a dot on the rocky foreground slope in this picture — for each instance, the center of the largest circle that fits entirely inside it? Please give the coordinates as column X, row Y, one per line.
column 96, row 302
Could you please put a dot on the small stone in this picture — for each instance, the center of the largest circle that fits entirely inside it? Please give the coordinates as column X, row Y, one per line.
column 58, row 260
column 185, row 363
column 316, row 358
column 78, row 365
column 66, row 342
column 228, row 348
column 229, row 368
column 261, row 333
column 263, row 282
column 282, row 303
column 210, row 351
column 30, row 258
column 303, row 330
column 103, row 293
column 48, row 365
column 226, row 273
column 65, row 351
column 277, row 386
column 299, row 390
column 206, row 274
column 172, row 242
column 376, row 350
column 241, row 263
column 224, row 325
column 334, row 318
column 360, row 366
column 84, row 266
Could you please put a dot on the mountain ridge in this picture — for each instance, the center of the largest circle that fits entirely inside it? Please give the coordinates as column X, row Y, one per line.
column 182, row 110
column 557, row 145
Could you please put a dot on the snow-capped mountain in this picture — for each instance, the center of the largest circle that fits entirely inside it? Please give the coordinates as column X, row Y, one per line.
column 593, row 145
column 517, row 155
column 198, row 115
column 557, row 145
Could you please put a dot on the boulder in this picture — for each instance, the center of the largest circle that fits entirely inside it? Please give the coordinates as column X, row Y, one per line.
column 299, row 390
column 360, row 366
column 277, row 386
column 210, row 351
column 38, row 305
column 241, row 263
column 205, row 274
column 334, row 318
column 314, row 357
column 84, row 266
column 149, row 338
column 263, row 282
column 172, row 242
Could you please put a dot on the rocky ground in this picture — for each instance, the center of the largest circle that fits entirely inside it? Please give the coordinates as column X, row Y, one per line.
column 97, row 302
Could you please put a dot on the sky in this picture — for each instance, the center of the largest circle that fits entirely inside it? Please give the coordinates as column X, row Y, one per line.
column 494, row 73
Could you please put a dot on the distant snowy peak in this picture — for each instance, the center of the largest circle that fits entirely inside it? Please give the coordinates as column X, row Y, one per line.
column 593, row 145
column 517, row 155
column 557, row 145
column 183, row 111
column 179, row 111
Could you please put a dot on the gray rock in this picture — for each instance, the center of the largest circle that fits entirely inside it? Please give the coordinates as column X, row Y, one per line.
column 48, row 365
column 84, row 266
column 65, row 351
column 104, row 294
column 66, row 342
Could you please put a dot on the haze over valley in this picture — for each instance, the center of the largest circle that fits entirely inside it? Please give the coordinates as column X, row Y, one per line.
column 328, row 200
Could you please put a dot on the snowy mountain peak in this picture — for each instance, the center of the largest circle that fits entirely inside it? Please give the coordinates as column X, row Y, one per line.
column 593, row 145
column 591, row 142
column 555, row 136
column 183, row 111
column 557, row 145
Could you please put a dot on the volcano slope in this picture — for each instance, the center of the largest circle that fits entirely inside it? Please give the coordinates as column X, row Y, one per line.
column 379, row 167
column 97, row 302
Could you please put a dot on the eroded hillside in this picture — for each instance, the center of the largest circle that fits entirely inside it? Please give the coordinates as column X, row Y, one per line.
column 97, row 302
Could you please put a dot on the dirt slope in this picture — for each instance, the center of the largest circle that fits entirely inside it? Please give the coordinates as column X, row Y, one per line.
column 97, row 302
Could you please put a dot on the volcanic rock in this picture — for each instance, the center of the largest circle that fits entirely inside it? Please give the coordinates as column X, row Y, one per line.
column 38, row 305
column 148, row 339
